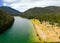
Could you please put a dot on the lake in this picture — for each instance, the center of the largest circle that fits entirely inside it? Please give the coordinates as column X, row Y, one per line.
column 22, row 31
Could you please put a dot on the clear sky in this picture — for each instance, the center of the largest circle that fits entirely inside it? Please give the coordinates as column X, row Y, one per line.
column 23, row 5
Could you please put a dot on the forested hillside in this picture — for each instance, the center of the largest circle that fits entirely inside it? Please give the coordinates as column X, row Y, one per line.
column 50, row 13
column 10, row 10
column 5, row 21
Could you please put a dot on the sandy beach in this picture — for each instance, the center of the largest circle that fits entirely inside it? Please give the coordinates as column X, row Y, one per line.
column 44, row 33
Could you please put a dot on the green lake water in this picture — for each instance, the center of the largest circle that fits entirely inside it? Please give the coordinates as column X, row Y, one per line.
column 20, row 32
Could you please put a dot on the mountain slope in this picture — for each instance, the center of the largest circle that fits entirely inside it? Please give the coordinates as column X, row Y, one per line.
column 9, row 10
column 53, row 8
column 36, row 12
column 51, row 14
column 5, row 21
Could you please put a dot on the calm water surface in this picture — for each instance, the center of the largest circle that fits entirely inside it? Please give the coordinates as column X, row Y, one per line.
column 18, row 33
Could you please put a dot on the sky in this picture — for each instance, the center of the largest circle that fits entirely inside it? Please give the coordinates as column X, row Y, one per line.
column 23, row 5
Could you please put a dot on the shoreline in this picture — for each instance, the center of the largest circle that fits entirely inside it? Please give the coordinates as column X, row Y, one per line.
column 37, row 30
column 6, row 26
column 44, row 33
